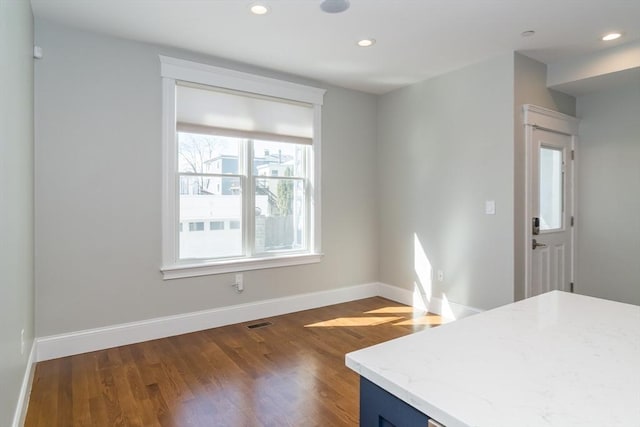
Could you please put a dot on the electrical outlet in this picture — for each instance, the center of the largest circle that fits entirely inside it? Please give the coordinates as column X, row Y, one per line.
column 490, row 207
column 22, row 342
column 239, row 285
column 440, row 276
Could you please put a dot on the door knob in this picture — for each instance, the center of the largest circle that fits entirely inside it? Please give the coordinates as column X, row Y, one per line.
column 535, row 244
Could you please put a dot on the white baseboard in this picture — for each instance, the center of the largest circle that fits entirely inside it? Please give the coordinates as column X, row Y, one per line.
column 447, row 309
column 25, row 389
column 68, row 344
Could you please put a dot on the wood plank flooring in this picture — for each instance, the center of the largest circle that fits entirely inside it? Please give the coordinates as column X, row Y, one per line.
column 290, row 373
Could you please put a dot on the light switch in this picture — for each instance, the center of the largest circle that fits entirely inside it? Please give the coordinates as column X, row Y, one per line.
column 490, row 207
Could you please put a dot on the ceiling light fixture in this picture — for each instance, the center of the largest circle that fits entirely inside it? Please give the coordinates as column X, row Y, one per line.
column 611, row 36
column 258, row 9
column 528, row 33
column 334, row 6
column 366, row 42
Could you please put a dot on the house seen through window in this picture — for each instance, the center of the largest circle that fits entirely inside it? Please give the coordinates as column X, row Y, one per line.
column 214, row 187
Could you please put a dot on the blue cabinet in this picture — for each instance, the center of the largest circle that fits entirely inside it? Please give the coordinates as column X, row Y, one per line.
column 379, row 408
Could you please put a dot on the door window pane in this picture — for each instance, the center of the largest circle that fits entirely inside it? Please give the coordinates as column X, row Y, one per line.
column 200, row 206
column 551, row 188
column 280, row 219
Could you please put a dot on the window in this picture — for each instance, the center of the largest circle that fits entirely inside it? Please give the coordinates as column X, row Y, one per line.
column 242, row 150
column 196, row 226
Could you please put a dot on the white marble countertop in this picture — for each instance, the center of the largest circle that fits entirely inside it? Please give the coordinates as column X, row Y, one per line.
column 558, row 359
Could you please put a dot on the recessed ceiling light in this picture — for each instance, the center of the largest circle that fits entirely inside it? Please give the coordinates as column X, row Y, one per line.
column 611, row 36
column 527, row 33
column 366, row 42
column 258, row 9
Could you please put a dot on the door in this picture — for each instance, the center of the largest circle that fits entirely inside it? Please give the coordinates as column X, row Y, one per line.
column 551, row 210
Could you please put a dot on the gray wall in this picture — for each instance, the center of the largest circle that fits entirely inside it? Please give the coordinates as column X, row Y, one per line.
column 16, row 198
column 98, row 186
column 609, row 194
column 445, row 146
column 530, row 87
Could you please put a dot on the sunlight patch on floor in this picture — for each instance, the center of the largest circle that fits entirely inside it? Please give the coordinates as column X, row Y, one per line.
column 390, row 310
column 354, row 321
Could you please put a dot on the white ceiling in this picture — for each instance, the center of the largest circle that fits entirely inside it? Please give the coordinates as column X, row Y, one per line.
column 416, row 39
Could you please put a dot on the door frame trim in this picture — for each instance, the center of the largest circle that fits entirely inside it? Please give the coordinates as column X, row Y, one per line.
column 535, row 117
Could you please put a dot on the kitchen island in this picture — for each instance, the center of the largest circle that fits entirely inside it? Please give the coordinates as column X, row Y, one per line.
column 558, row 359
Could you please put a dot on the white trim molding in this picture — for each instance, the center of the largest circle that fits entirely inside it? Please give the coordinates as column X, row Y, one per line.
column 195, row 72
column 192, row 270
column 68, row 344
column 55, row 346
column 550, row 120
column 25, row 389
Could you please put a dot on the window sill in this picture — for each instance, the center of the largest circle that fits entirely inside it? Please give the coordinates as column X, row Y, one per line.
column 179, row 271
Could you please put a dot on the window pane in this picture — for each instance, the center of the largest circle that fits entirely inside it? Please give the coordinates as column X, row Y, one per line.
column 280, row 221
column 279, row 159
column 199, row 207
column 196, row 226
column 551, row 188
column 216, row 225
column 208, row 154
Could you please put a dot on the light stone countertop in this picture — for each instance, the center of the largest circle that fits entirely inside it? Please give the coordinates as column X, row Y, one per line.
column 558, row 359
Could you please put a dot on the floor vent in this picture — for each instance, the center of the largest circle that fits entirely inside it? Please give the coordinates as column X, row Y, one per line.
column 259, row 325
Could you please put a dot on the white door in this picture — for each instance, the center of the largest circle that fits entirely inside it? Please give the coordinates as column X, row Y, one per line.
column 551, row 210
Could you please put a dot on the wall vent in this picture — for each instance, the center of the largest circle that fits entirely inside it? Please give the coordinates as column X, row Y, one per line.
column 259, row 325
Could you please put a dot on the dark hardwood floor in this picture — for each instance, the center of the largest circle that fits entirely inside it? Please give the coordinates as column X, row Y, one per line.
column 291, row 373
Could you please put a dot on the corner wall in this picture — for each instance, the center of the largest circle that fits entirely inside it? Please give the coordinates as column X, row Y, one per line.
column 98, row 187
column 445, row 146
column 16, row 199
column 609, row 194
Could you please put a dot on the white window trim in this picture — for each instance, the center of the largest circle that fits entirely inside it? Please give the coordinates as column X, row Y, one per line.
column 179, row 271
column 173, row 69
